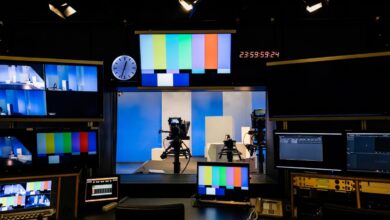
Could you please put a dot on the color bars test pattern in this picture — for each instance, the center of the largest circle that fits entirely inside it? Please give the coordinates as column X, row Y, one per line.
column 66, row 143
column 12, row 201
column 214, row 180
column 168, row 59
column 39, row 186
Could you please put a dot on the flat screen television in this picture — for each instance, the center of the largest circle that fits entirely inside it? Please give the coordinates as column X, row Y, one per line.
column 184, row 59
column 16, row 150
column 43, row 89
column 101, row 189
column 22, row 90
column 323, row 151
column 27, row 195
column 368, row 152
column 67, row 148
column 223, row 181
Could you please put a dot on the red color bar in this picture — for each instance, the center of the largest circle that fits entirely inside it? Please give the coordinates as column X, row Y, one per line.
column 83, row 142
column 20, row 200
column 45, row 185
column 211, row 51
column 237, row 177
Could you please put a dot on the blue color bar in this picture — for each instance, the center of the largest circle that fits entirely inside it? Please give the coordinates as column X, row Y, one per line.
column 244, row 177
column 149, row 80
column 91, row 142
column 224, row 51
column 182, row 79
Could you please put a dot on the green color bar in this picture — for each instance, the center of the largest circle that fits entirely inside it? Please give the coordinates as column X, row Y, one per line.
column 159, row 52
column 208, row 175
column 50, row 143
column 185, row 45
column 67, row 142
column 222, row 176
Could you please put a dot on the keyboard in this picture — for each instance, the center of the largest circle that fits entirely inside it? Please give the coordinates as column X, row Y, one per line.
column 33, row 214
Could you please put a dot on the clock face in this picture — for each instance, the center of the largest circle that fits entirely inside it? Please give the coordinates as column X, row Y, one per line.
column 124, row 67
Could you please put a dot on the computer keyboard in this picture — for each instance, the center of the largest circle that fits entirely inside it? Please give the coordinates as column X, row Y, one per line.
column 33, row 214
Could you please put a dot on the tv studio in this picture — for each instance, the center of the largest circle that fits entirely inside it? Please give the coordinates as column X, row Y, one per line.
column 194, row 109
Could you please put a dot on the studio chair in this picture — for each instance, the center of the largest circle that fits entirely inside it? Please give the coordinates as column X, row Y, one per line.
column 168, row 211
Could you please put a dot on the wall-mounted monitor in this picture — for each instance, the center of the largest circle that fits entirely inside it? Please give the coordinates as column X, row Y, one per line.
column 309, row 150
column 181, row 59
column 368, row 152
column 67, row 148
column 27, row 195
column 50, row 88
column 16, row 149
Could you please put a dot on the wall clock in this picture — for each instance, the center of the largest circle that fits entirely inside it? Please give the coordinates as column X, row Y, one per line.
column 124, row 67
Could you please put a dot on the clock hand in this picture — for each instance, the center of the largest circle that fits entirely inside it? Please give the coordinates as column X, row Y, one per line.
column 123, row 71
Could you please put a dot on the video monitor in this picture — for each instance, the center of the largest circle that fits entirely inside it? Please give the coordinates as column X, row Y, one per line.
column 184, row 59
column 27, row 195
column 22, row 90
column 67, row 148
column 309, row 151
column 223, row 181
column 101, row 189
column 16, row 149
column 368, row 152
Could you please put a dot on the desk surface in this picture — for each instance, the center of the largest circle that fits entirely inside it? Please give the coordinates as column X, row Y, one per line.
column 195, row 213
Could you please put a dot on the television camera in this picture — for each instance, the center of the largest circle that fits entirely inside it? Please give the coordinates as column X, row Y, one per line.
column 258, row 135
column 178, row 130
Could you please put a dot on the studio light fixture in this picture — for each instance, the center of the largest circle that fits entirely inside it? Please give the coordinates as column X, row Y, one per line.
column 312, row 6
column 187, row 6
column 62, row 9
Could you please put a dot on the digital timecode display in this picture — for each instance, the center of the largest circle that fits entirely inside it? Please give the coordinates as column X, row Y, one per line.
column 259, row 54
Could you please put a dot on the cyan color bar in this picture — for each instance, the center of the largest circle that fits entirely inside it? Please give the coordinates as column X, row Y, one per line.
column 172, row 52
column 58, row 143
column 146, row 49
column 215, row 176
column 224, row 53
column 198, row 54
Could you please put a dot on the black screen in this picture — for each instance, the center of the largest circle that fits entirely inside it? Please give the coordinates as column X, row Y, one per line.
column 311, row 151
column 368, row 152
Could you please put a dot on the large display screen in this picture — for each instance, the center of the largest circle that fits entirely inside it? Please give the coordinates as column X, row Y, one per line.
column 53, row 90
column 171, row 60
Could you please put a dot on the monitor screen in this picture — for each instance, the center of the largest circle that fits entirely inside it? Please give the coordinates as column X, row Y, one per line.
column 225, row 181
column 178, row 59
column 16, row 149
column 101, row 189
column 309, row 150
column 77, row 148
column 368, row 152
column 27, row 195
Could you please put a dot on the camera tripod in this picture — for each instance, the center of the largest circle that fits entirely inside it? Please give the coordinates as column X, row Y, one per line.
column 176, row 149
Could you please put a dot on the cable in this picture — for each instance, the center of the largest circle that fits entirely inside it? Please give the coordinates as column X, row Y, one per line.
column 189, row 158
column 253, row 214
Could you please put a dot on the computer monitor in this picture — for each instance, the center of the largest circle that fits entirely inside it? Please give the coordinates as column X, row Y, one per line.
column 16, row 150
column 310, row 150
column 223, row 181
column 27, row 195
column 67, row 148
column 101, row 189
column 368, row 152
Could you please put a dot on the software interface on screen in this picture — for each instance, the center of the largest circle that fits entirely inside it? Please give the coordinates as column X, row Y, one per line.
column 301, row 147
column 101, row 189
column 171, row 59
column 223, row 181
column 57, row 146
column 25, row 195
column 368, row 152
